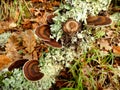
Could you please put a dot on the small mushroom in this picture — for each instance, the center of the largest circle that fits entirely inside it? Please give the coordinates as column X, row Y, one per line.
column 53, row 43
column 31, row 70
column 71, row 26
column 43, row 32
column 98, row 20
column 17, row 64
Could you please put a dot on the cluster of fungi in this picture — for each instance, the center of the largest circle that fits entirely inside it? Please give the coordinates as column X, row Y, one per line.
column 31, row 69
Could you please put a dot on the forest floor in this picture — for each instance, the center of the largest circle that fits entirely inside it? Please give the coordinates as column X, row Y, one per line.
column 87, row 59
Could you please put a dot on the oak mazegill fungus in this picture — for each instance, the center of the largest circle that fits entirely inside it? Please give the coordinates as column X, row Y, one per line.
column 98, row 20
column 71, row 26
column 17, row 64
column 43, row 32
column 31, row 70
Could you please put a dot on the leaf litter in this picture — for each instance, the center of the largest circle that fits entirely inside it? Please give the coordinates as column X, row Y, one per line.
column 24, row 44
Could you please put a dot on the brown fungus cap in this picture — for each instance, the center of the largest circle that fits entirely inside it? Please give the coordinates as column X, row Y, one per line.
column 98, row 20
column 17, row 64
column 43, row 32
column 53, row 43
column 71, row 26
column 31, row 70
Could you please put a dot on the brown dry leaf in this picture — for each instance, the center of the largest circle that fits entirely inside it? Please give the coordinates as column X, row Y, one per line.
column 34, row 25
column 4, row 25
column 29, row 41
column 116, row 50
column 104, row 44
column 26, row 24
column 28, row 56
column 11, row 48
column 4, row 61
column 2, row 31
column 56, row 3
column 35, row 56
column 48, row 6
column 41, row 19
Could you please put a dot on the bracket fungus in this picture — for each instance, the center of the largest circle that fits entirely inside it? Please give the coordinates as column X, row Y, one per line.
column 43, row 32
column 98, row 20
column 31, row 70
column 71, row 26
column 17, row 64
column 53, row 43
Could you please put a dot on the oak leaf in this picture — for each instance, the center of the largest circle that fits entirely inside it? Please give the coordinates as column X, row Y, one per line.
column 104, row 44
column 116, row 50
column 11, row 48
column 29, row 41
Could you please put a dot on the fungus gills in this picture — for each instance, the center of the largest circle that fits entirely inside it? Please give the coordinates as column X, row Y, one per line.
column 98, row 20
column 17, row 64
column 71, row 26
column 43, row 32
column 31, row 70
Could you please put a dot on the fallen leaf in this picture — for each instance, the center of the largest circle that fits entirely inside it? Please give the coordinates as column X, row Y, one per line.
column 41, row 17
column 28, row 56
column 11, row 48
column 104, row 44
column 56, row 3
column 2, row 31
column 34, row 55
column 4, row 61
column 26, row 24
column 29, row 41
column 116, row 50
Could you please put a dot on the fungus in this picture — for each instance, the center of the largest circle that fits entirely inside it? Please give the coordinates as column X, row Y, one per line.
column 98, row 20
column 53, row 43
column 43, row 32
column 17, row 64
column 31, row 70
column 71, row 26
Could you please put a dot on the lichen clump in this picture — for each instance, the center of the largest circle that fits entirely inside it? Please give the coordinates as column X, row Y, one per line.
column 3, row 38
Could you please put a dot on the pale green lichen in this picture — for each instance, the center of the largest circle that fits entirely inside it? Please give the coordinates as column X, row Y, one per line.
column 50, row 72
column 18, row 82
column 3, row 38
